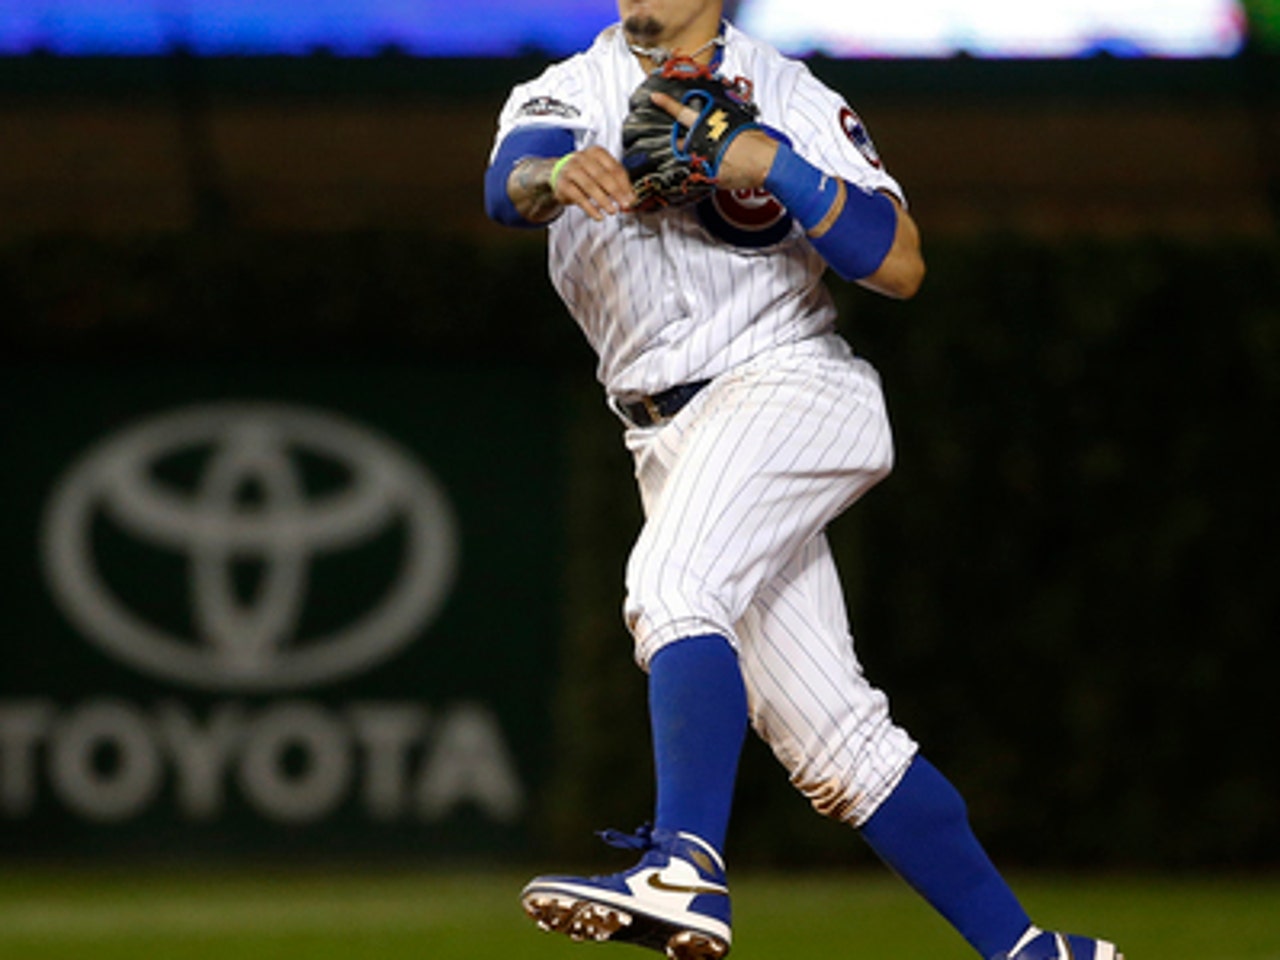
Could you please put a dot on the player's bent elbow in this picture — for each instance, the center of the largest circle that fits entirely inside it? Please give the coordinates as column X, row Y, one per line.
column 497, row 201
column 497, row 205
column 905, row 258
column 908, row 278
column 902, row 271
column 899, row 276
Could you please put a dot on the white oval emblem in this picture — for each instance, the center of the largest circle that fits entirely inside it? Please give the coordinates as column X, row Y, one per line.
column 233, row 643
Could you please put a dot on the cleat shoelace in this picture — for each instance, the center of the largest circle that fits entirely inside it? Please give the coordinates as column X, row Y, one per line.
column 642, row 839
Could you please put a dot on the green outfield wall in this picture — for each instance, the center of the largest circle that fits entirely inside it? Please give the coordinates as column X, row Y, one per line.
column 313, row 547
column 277, row 608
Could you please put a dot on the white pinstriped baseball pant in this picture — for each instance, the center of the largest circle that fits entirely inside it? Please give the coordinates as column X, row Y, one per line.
column 737, row 490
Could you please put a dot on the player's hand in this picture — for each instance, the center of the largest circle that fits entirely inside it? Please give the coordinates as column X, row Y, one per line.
column 749, row 157
column 594, row 181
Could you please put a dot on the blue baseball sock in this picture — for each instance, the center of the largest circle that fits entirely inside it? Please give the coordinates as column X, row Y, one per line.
column 922, row 832
column 698, row 709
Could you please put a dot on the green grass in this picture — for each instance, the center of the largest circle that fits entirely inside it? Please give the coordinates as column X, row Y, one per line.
column 474, row 916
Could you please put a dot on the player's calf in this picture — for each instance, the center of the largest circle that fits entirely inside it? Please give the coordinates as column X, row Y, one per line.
column 675, row 900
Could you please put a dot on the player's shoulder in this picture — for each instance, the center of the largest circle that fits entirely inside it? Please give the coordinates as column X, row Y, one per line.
column 562, row 92
column 816, row 116
column 762, row 57
column 776, row 77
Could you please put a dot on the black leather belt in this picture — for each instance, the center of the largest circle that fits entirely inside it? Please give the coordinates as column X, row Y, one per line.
column 646, row 411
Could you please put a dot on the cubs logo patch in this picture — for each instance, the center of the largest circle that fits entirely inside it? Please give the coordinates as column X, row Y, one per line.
column 745, row 218
column 547, row 107
column 856, row 131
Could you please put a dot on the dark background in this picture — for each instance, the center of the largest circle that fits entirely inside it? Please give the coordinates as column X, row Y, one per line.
column 1069, row 585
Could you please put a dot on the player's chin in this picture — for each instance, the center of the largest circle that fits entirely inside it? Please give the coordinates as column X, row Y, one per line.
column 641, row 27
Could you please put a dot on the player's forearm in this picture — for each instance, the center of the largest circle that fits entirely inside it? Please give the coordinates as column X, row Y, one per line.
column 866, row 237
column 531, row 191
column 902, row 271
column 528, row 189
column 524, row 200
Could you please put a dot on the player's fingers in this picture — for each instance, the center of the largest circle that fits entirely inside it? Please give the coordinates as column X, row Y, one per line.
column 594, row 181
column 682, row 112
column 610, row 175
column 576, row 188
column 572, row 185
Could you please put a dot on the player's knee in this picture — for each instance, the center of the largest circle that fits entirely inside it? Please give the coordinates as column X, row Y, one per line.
column 850, row 787
column 833, row 797
column 653, row 636
column 659, row 613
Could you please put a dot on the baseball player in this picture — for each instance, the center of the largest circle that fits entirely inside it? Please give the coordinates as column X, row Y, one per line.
column 752, row 425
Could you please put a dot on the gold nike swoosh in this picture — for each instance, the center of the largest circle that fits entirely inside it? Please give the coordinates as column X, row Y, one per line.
column 656, row 881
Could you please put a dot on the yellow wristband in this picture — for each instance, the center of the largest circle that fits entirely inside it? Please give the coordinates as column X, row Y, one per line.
column 555, row 170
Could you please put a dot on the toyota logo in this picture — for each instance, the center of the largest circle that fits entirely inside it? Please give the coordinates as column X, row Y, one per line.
column 234, row 642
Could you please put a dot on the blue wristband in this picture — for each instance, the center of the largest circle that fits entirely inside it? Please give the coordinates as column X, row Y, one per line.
column 852, row 229
column 804, row 190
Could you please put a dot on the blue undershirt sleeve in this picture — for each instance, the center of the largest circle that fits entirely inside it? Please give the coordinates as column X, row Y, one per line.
column 851, row 228
column 516, row 146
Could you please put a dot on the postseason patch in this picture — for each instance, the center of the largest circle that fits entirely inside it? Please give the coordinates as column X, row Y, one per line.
column 856, row 131
column 547, row 107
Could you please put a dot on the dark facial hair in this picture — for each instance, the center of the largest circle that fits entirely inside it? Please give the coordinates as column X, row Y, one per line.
column 642, row 29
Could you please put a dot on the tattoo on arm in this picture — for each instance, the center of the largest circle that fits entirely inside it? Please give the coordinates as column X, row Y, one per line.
column 529, row 187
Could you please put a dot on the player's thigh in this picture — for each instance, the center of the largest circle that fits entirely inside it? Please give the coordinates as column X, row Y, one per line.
column 770, row 459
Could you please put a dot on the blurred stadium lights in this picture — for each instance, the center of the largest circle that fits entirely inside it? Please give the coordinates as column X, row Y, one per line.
column 482, row 28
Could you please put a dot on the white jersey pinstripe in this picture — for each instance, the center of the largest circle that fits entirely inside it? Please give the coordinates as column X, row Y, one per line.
column 739, row 487
column 658, row 303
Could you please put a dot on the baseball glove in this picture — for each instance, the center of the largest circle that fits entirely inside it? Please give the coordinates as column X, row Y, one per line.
column 668, row 165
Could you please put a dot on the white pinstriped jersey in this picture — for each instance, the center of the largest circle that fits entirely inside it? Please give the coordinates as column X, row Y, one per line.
column 680, row 295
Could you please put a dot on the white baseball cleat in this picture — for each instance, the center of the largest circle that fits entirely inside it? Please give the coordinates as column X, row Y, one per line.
column 1037, row 944
column 675, row 900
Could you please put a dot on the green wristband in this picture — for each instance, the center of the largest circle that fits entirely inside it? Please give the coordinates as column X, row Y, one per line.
column 555, row 170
